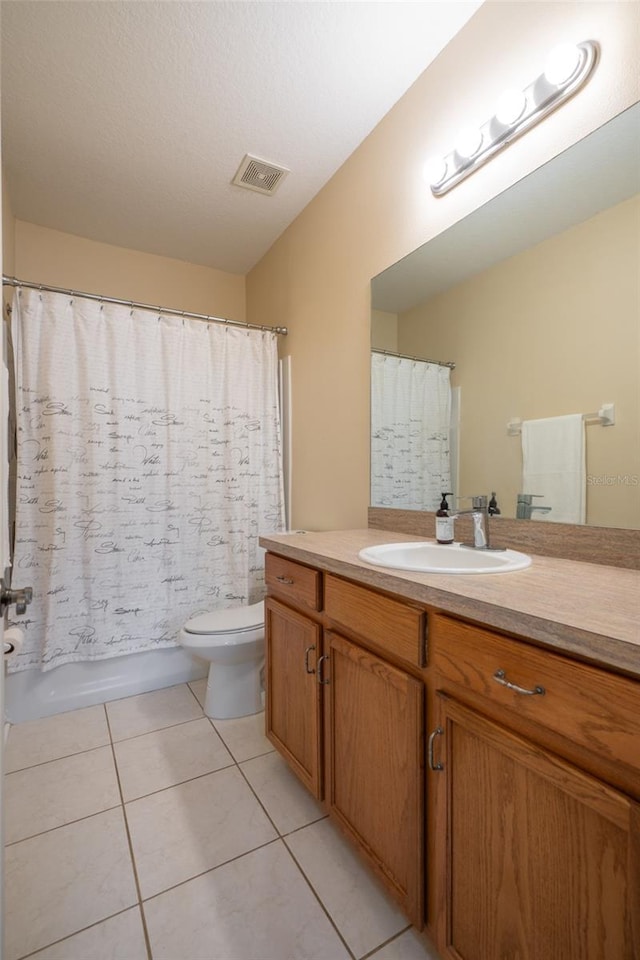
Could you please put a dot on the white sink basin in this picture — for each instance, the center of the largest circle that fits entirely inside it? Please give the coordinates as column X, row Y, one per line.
column 433, row 557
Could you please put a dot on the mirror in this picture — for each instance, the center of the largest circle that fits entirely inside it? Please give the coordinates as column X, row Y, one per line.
column 535, row 299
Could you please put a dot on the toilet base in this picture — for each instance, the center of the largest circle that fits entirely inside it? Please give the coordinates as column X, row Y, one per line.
column 233, row 690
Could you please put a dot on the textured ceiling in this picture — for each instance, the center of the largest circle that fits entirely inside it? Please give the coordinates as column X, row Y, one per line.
column 125, row 122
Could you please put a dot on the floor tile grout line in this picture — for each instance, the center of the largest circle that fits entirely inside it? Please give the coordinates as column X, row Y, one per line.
column 132, row 696
column 136, row 880
column 193, row 693
column 385, row 943
column 54, row 943
column 292, row 833
column 75, row 753
column 318, row 898
column 262, row 806
column 179, row 783
column 244, row 759
column 66, row 756
column 168, row 726
column 279, row 839
column 60, row 826
column 203, row 873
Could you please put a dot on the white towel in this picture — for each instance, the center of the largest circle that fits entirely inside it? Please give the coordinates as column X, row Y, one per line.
column 553, row 464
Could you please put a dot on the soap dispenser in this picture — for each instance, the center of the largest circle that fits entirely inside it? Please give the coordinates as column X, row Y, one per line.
column 493, row 509
column 444, row 523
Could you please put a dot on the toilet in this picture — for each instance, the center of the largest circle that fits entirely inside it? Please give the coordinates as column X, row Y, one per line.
column 232, row 640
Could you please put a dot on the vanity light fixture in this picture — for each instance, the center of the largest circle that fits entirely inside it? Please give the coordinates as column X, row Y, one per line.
column 567, row 69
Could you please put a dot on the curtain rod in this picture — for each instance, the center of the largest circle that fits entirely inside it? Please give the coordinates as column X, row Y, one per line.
column 403, row 356
column 13, row 282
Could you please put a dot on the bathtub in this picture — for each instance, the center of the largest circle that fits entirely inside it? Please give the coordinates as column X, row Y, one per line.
column 32, row 694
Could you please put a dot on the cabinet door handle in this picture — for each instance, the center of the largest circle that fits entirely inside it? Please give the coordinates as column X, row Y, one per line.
column 501, row 678
column 434, row 766
column 306, row 658
column 320, row 678
column 285, row 580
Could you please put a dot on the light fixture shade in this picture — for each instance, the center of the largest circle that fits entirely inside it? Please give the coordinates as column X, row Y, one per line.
column 511, row 106
column 568, row 68
column 469, row 142
column 562, row 63
column 435, row 170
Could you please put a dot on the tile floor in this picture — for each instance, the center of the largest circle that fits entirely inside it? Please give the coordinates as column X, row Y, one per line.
column 141, row 830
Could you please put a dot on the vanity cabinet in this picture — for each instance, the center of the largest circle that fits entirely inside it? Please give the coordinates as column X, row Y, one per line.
column 375, row 768
column 513, row 829
column 293, row 647
column 535, row 781
column 292, row 709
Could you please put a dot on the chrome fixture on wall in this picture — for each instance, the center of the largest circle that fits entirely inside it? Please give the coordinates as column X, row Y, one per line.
column 567, row 69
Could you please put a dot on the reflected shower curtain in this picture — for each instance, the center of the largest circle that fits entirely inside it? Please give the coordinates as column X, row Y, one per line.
column 148, row 464
column 410, row 432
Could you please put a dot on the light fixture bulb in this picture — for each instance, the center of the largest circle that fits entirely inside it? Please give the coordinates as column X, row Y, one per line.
column 435, row 170
column 568, row 68
column 510, row 107
column 468, row 143
column 562, row 63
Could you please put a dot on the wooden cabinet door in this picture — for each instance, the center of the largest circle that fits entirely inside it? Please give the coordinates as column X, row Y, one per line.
column 540, row 860
column 375, row 770
column 292, row 649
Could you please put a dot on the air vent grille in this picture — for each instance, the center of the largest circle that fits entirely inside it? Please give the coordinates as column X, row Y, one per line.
column 259, row 175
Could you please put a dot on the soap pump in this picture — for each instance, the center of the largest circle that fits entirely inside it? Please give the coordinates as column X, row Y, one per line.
column 444, row 523
column 493, row 509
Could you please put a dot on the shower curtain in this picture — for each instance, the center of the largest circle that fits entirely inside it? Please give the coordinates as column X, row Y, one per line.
column 148, row 464
column 410, row 432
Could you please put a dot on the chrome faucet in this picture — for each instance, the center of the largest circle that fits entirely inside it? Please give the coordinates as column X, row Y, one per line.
column 525, row 506
column 480, row 514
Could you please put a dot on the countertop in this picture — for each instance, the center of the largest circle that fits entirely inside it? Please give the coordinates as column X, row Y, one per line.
column 585, row 609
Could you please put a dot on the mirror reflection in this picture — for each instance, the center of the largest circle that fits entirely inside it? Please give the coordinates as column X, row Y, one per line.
column 534, row 301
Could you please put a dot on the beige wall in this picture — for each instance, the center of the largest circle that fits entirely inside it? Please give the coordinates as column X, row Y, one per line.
column 376, row 209
column 8, row 229
column 551, row 331
column 63, row 260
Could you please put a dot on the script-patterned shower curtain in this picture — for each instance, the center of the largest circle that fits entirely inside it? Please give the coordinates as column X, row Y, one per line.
column 148, row 464
column 410, row 432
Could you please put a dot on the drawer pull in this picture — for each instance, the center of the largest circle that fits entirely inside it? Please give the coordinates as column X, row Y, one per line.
column 287, row 580
column 306, row 658
column 434, row 766
column 320, row 678
column 501, row 678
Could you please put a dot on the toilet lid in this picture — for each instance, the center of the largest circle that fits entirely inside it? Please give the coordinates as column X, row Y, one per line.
column 232, row 620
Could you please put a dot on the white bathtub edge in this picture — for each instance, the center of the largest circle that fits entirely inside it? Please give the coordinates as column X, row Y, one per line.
column 31, row 694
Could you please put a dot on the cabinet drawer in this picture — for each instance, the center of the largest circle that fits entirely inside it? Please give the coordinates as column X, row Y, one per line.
column 390, row 624
column 299, row 585
column 588, row 706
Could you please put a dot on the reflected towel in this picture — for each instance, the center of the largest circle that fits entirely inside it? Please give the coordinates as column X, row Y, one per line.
column 553, row 464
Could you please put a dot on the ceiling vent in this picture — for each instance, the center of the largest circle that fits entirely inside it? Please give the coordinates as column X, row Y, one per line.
column 259, row 175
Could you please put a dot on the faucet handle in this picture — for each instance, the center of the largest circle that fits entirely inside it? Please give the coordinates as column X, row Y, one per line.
column 478, row 502
column 528, row 497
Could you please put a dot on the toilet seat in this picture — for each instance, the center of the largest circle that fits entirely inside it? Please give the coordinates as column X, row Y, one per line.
column 234, row 620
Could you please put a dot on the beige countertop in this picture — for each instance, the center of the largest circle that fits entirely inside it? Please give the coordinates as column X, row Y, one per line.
column 585, row 609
